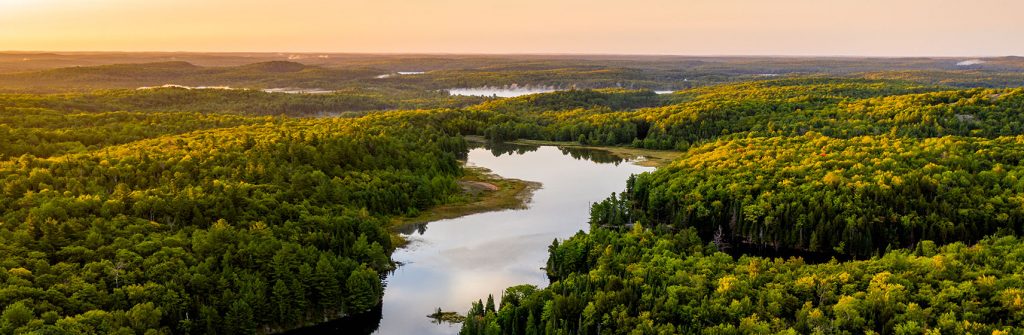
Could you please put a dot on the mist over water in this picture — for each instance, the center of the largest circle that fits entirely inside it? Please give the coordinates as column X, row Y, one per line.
column 502, row 91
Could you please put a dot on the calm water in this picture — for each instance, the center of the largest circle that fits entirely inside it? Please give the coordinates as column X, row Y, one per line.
column 451, row 263
column 399, row 73
column 502, row 92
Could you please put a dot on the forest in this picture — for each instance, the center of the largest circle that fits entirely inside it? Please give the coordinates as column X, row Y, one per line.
column 913, row 191
column 239, row 211
column 207, row 223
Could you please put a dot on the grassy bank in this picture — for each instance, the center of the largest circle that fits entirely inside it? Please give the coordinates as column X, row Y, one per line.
column 482, row 191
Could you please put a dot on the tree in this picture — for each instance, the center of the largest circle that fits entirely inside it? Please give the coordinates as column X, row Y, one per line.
column 364, row 289
column 144, row 316
column 15, row 315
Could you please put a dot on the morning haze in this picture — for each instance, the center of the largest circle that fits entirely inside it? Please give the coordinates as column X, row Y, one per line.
column 693, row 27
column 483, row 167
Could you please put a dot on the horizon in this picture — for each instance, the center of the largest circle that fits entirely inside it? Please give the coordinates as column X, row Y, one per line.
column 371, row 53
column 782, row 28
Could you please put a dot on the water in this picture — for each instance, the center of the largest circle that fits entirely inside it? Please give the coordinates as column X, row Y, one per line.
column 267, row 90
column 502, row 92
column 187, row 87
column 399, row 73
column 289, row 90
column 451, row 263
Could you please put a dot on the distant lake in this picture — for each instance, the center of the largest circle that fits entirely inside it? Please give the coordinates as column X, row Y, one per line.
column 288, row 90
column 187, row 87
column 292, row 90
column 451, row 263
column 502, row 92
column 664, row 92
column 399, row 73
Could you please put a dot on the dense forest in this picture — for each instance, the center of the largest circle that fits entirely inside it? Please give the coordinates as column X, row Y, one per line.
column 236, row 225
column 645, row 281
column 238, row 211
column 231, row 101
column 920, row 185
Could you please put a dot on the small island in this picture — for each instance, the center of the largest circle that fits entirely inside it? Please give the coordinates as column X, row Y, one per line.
column 440, row 316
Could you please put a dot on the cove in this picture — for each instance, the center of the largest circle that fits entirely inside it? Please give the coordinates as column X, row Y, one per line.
column 450, row 263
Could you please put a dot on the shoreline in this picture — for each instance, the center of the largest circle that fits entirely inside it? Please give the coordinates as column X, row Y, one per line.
column 643, row 157
column 482, row 191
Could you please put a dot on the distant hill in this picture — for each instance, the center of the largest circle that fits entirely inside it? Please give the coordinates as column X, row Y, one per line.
column 275, row 67
column 273, row 74
column 57, row 72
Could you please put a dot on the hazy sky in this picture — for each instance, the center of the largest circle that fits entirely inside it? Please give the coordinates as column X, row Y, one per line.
column 688, row 27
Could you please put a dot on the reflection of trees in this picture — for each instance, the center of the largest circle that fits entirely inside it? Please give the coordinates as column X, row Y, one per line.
column 593, row 155
column 365, row 323
column 409, row 229
column 501, row 148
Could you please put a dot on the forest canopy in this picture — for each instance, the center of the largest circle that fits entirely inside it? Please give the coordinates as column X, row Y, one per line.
column 179, row 210
column 209, row 223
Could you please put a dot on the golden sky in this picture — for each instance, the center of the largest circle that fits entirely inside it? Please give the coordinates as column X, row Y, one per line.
column 686, row 27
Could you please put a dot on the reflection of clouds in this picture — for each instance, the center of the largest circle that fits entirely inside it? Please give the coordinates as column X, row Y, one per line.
column 457, row 261
column 495, row 254
column 477, row 285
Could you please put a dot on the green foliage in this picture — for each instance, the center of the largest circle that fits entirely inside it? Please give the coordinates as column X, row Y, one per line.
column 15, row 315
column 841, row 108
column 640, row 281
column 45, row 132
column 342, row 102
column 172, row 219
column 814, row 192
column 899, row 175
column 202, row 225
column 573, row 99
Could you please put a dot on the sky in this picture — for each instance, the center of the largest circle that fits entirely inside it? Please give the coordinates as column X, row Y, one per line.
column 676, row 27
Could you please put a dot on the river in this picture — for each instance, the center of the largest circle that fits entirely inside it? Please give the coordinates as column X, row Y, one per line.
column 450, row 263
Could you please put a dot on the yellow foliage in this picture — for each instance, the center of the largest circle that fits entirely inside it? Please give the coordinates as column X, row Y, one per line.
column 20, row 272
column 725, row 284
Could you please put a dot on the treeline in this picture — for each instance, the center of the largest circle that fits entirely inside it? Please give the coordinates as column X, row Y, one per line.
column 236, row 230
column 614, row 99
column 639, row 281
column 45, row 132
column 269, row 74
column 787, row 107
column 236, row 101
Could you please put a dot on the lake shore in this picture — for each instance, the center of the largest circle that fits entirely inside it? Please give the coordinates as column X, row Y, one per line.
column 644, row 157
column 482, row 191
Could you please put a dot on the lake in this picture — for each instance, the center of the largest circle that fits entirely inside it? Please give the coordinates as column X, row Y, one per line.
column 502, row 92
column 451, row 263
column 399, row 73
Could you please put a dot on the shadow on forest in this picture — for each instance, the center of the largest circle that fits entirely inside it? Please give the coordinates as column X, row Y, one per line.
column 365, row 323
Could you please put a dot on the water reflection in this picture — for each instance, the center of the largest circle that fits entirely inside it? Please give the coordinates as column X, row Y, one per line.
column 366, row 323
column 500, row 148
column 593, row 155
column 596, row 156
column 450, row 263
